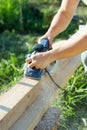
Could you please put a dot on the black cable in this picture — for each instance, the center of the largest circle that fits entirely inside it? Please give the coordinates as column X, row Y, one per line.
column 53, row 80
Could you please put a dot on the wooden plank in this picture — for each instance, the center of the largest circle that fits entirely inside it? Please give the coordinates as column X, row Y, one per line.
column 33, row 114
column 49, row 91
column 15, row 101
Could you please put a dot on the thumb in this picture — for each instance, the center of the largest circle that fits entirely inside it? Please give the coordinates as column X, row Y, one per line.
column 28, row 60
column 31, row 65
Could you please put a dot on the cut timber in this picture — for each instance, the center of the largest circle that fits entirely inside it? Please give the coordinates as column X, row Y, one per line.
column 15, row 101
column 29, row 99
column 30, row 118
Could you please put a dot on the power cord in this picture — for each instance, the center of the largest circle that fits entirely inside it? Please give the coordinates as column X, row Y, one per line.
column 53, row 80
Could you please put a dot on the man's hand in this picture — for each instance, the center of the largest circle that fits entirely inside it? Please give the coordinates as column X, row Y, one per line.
column 39, row 60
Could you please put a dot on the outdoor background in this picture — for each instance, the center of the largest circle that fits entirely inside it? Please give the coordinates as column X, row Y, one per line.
column 21, row 23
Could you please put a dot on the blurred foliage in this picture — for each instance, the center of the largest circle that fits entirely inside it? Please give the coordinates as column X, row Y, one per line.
column 19, row 15
column 32, row 18
column 9, row 71
column 9, row 14
column 26, row 16
column 75, row 89
column 14, row 43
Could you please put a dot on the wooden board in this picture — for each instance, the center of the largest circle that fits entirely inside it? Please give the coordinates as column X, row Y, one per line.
column 14, row 102
column 49, row 91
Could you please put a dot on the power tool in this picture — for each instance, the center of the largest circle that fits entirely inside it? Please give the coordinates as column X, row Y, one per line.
column 33, row 72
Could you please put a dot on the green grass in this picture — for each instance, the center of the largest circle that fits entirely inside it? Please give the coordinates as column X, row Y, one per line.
column 77, row 121
column 73, row 102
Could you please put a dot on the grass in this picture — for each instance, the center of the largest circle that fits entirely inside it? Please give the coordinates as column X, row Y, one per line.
column 73, row 102
column 78, row 121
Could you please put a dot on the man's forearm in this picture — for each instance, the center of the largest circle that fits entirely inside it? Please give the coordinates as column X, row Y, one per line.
column 59, row 23
column 69, row 47
column 63, row 17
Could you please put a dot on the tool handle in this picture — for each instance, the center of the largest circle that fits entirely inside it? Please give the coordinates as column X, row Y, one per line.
column 45, row 43
column 42, row 47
